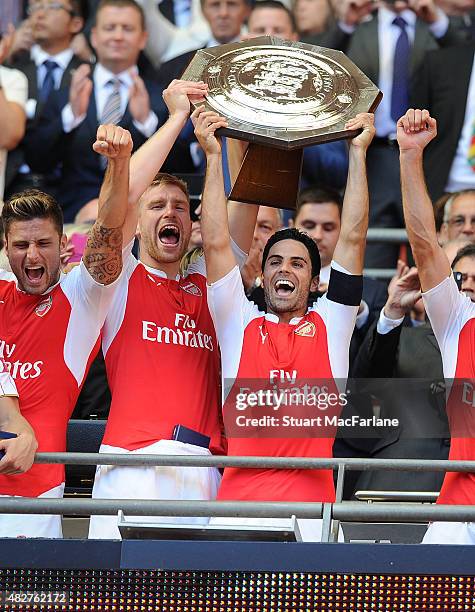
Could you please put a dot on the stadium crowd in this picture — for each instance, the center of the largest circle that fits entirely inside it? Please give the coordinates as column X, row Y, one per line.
column 151, row 307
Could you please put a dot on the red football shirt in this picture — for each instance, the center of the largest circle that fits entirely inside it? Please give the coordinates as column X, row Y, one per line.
column 159, row 334
column 257, row 347
column 452, row 316
column 47, row 342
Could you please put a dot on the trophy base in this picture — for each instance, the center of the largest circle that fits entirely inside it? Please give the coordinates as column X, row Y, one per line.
column 269, row 177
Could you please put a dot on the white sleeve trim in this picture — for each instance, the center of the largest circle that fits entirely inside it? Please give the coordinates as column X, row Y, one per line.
column 362, row 317
column 90, row 302
column 69, row 121
column 231, row 312
column 385, row 324
column 448, row 311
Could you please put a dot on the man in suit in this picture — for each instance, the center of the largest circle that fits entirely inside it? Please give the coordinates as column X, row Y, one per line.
column 114, row 93
column 389, row 48
column 225, row 18
column 402, row 345
column 48, row 66
column 446, row 88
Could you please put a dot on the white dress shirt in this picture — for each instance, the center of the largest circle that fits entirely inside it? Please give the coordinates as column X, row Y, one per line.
column 388, row 34
column 39, row 57
column 102, row 89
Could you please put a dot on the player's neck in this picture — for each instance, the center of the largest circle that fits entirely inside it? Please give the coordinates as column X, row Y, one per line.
column 286, row 317
column 171, row 269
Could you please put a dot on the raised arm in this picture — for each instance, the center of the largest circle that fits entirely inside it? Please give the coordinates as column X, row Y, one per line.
column 414, row 132
column 350, row 248
column 103, row 254
column 147, row 161
column 214, row 217
column 242, row 217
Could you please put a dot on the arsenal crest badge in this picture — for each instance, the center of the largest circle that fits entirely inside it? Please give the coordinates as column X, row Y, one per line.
column 306, row 329
column 190, row 287
column 44, row 306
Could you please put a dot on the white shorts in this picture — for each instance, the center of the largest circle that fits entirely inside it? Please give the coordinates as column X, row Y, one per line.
column 33, row 525
column 441, row 532
column 310, row 529
column 159, row 483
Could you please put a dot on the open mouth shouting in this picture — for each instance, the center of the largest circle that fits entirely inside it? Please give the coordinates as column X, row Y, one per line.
column 284, row 287
column 34, row 274
column 169, row 235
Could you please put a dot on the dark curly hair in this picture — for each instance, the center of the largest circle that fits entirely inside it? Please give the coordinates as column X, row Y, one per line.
column 292, row 233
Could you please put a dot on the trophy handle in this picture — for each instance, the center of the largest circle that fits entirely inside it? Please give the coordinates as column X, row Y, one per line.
column 269, row 176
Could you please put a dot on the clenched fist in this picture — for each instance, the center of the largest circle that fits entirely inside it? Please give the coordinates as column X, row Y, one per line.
column 113, row 142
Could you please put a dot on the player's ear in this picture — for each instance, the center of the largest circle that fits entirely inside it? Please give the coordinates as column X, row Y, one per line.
column 314, row 284
column 63, row 242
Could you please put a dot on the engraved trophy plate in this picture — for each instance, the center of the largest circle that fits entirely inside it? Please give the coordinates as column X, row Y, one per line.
column 282, row 93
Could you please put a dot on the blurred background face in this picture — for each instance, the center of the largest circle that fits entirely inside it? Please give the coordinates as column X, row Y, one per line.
column 225, row 18
column 461, row 218
column 311, row 15
column 271, row 22
column 267, row 223
column 466, row 266
column 322, row 223
column 452, row 247
column 118, row 37
column 53, row 22
column 196, row 239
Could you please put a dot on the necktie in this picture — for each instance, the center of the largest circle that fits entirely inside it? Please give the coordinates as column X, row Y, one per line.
column 471, row 148
column 400, row 90
column 112, row 112
column 48, row 82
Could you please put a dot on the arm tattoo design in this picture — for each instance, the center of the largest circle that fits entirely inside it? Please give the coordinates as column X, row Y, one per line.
column 103, row 254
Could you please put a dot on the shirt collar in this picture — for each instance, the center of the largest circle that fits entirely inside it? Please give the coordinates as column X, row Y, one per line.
column 102, row 76
column 62, row 59
column 61, row 278
column 275, row 319
column 386, row 16
column 160, row 273
column 214, row 43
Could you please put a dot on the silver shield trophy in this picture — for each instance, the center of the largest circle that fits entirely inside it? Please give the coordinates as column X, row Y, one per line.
column 280, row 96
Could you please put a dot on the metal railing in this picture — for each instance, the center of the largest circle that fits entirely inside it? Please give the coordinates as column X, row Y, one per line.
column 388, row 236
column 331, row 513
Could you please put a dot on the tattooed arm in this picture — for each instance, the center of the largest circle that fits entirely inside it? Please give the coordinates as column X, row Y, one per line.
column 103, row 254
